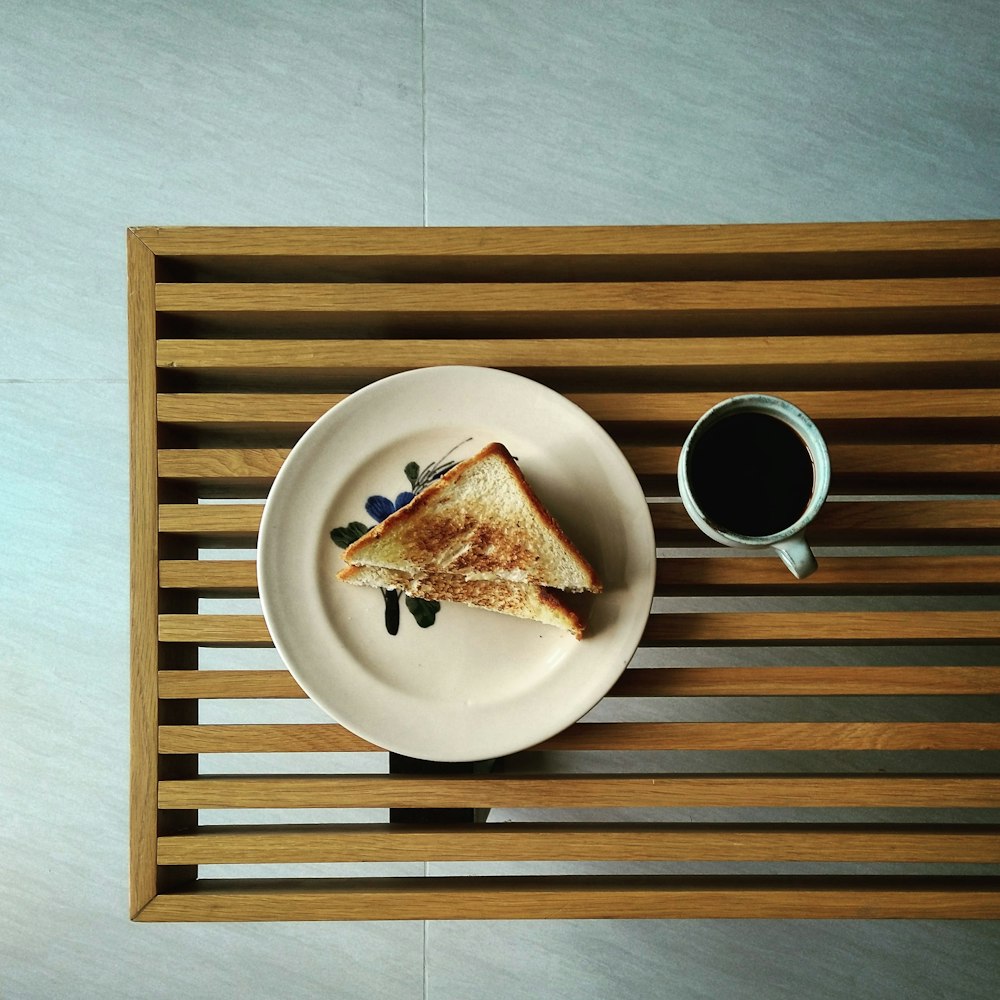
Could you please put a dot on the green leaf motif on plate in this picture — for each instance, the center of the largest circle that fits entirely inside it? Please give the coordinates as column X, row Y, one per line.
column 424, row 612
column 348, row 534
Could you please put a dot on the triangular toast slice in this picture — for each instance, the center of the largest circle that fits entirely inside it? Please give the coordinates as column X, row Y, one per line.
column 522, row 600
column 480, row 521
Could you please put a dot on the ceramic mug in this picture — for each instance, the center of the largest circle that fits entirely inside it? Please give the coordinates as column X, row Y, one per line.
column 753, row 473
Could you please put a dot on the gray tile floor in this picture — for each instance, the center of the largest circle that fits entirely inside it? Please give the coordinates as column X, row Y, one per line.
column 116, row 113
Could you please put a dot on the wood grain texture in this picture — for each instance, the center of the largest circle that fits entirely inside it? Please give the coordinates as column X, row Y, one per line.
column 144, row 597
column 878, row 352
column 844, row 522
column 814, row 842
column 212, row 630
column 799, row 736
column 234, row 522
column 228, row 684
column 209, row 574
column 252, row 738
column 930, row 462
column 568, row 791
column 686, row 577
column 707, row 628
column 750, row 681
column 921, row 238
column 934, row 467
column 845, row 574
column 577, row 298
column 820, row 628
column 269, row 410
column 566, row 897
column 887, row 522
column 230, row 465
column 656, row 682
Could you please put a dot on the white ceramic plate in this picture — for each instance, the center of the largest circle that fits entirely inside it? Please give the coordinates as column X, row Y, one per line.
column 475, row 684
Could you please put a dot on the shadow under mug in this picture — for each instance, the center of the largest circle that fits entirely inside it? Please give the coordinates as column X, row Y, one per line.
column 789, row 542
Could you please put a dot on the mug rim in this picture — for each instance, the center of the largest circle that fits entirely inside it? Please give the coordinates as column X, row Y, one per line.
column 793, row 417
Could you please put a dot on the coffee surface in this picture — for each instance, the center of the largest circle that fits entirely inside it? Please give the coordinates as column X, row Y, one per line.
column 751, row 474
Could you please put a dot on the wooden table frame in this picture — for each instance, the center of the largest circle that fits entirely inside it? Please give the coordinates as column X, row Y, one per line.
column 886, row 333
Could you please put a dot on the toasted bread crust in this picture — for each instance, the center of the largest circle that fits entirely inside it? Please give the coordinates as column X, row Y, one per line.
column 517, row 599
column 507, row 552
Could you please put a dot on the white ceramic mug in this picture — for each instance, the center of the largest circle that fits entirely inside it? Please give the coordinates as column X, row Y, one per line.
column 789, row 542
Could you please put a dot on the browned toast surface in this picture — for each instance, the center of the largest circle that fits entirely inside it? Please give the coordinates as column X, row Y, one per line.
column 436, row 532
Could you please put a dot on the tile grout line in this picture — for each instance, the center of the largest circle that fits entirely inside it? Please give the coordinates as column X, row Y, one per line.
column 424, row 984
column 426, row 976
column 423, row 103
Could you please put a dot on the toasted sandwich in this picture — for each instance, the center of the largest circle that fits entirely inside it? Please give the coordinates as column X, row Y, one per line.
column 479, row 536
column 480, row 521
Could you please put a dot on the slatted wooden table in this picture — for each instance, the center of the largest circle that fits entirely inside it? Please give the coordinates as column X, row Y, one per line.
column 825, row 748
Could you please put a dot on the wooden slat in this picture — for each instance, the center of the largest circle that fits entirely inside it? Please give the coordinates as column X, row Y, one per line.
column 215, row 630
column 884, row 522
column 821, row 628
column 800, row 736
column 928, row 463
column 921, row 239
column 566, row 897
column 755, row 574
column 698, row 629
column 296, row 410
column 873, row 520
column 144, row 556
column 323, row 737
column 839, row 404
column 245, row 409
column 215, row 521
column 838, row 522
column 613, row 297
column 630, row 842
column 581, row 791
column 246, row 466
column 374, row 357
column 229, row 684
column 805, row 681
column 209, row 574
column 803, row 736
column 686, row 577
column 687, row 682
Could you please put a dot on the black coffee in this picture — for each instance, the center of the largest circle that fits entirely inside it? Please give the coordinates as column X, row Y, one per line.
column 751, row 474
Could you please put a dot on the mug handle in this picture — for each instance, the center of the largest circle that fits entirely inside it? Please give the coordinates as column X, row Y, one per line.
column 797, row 556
